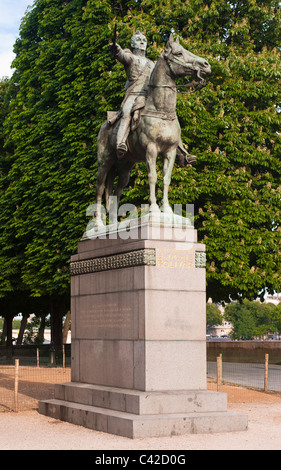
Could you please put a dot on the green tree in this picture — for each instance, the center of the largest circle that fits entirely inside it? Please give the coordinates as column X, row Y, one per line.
column 233, row 126
column 275, row 318
column 251, row 319
column 65, row 81
column 213, row 315
column 11, row 285
column 244, row 327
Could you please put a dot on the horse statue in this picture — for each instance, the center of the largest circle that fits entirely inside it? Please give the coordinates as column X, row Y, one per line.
column 157, row 132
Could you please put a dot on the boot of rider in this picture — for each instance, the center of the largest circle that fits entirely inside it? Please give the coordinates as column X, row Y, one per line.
column 183, row 156
column 122, row 135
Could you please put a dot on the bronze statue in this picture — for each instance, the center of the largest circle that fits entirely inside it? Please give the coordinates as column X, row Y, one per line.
column 149, row 126
column 138, row 70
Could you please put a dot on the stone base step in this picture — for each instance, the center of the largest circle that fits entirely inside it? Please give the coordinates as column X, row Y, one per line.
column 142, row 403
column 140, row 426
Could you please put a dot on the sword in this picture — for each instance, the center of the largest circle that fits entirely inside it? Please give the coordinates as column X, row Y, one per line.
column 115, row 35
column 113, row 48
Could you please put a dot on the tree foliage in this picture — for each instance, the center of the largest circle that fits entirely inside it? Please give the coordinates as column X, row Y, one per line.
column 65, row 81
column 252, row 319
column 213, row 315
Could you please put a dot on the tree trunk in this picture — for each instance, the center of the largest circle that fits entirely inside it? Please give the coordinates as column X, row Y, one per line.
column 22, row 329
column 66, row 327
column 56, row 325
column 41, row 330
column 4, row 332
column 9, row 341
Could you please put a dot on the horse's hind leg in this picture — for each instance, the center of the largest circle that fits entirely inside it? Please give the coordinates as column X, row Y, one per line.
column 103, row 169
column 109, row 184
column 124, row 171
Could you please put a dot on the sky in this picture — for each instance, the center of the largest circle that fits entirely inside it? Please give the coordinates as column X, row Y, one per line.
column 11, row 14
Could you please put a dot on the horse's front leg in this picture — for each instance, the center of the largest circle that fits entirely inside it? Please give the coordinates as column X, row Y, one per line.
column 103, row 169
column 151, row 156
column 168, row 165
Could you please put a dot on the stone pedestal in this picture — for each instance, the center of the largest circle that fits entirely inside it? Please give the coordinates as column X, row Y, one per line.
column 139, row 336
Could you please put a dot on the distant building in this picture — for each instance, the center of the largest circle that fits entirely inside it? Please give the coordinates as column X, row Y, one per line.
column 273, row 299
column 220, row 330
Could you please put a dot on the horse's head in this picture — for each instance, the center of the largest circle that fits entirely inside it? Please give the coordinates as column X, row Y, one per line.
column 182, row 62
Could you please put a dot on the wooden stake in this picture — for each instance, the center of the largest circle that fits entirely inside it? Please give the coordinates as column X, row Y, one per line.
column 219, row 372
column 16, row 383
column 63, row 356
column 266, row 373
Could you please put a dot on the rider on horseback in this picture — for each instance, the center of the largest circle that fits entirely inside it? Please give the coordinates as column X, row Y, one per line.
column 138, row 70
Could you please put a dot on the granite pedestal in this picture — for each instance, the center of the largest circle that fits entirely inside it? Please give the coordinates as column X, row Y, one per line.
column 138, row 344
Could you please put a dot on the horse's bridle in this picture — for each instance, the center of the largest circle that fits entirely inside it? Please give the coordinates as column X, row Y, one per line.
column 197, row 85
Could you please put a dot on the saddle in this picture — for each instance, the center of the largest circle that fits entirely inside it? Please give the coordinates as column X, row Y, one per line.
column 183, row 157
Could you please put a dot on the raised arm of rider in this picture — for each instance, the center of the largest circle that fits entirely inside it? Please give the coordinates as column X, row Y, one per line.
column 122, row 55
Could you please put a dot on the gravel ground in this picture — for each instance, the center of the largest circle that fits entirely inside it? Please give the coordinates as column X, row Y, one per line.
column 31, row 431
column 28, row 430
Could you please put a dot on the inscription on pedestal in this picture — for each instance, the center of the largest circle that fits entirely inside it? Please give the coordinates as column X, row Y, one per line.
column 172, row 258
column 106, row 316
column 109, row 316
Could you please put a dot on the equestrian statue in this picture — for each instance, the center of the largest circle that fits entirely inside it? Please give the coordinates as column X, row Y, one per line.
column 146, row 126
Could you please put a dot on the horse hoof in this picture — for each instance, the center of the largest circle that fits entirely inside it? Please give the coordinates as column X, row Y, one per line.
column 154, row 209
column 166, row 209
column 98, row 223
